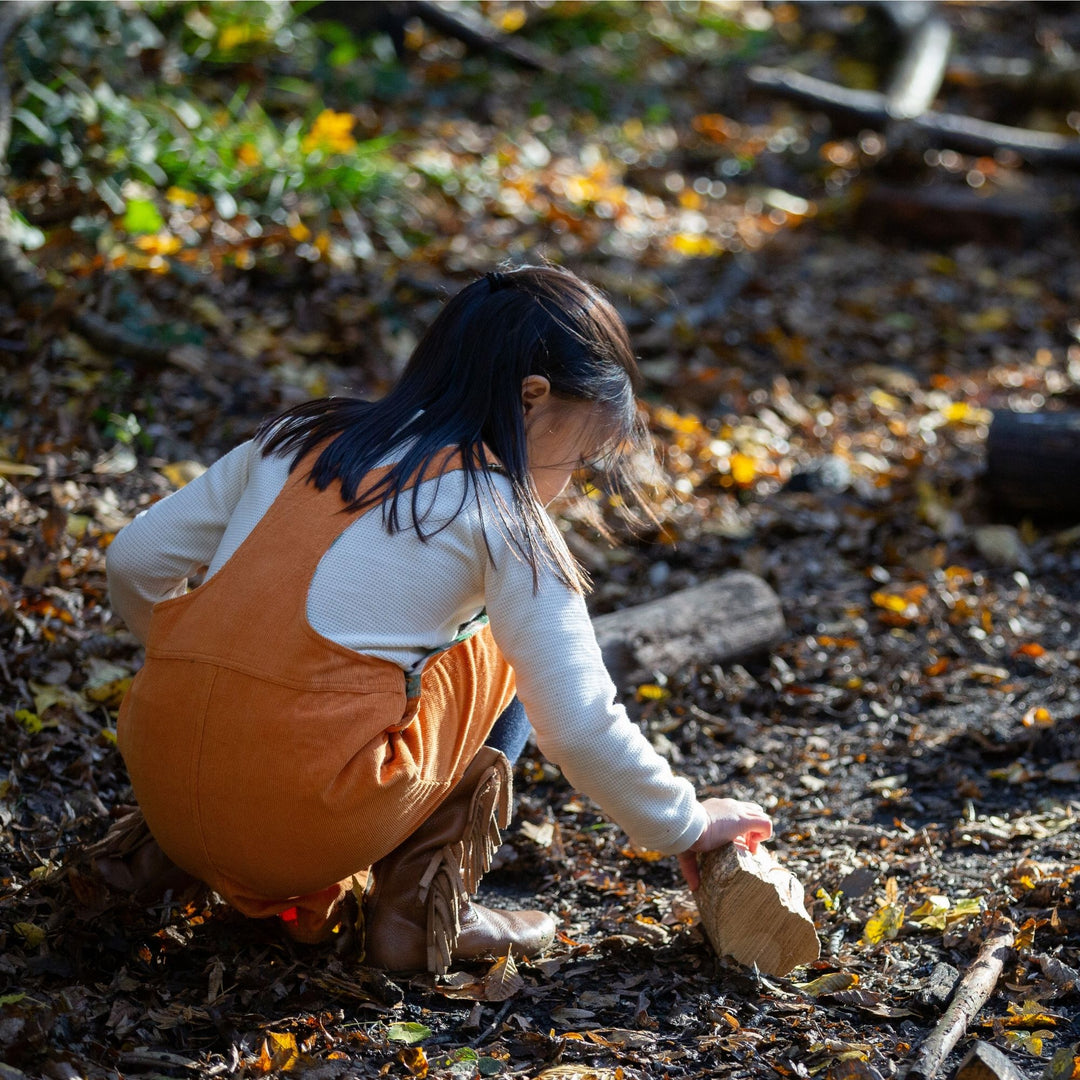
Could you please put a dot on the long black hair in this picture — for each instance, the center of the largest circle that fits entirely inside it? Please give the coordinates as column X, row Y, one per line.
column 462, row 389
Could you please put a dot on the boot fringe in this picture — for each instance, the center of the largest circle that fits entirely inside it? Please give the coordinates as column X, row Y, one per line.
column 454, row 872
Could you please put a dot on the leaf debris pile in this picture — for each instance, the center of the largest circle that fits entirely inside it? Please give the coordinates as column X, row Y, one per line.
column 821, row 397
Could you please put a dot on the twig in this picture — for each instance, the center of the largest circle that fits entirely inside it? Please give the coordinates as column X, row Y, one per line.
column 493, row 1027
column 971, row 994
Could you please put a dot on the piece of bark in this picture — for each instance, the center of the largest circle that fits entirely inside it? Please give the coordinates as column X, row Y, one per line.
column 1032, row 460
column 752, row 909
column 971, row 994
column 939, row 987
column 719, row 620
column 986, row 1062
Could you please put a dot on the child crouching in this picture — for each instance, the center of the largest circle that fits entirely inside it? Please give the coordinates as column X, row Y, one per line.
column 385, row 592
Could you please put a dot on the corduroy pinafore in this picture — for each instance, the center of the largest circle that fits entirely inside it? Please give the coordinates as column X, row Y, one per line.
column 273, row 763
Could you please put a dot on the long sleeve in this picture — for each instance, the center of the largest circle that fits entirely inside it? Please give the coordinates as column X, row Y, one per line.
column 152, row 558
column 570, row 699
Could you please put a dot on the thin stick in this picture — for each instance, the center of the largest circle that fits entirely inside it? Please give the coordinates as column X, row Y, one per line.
column 971, row 994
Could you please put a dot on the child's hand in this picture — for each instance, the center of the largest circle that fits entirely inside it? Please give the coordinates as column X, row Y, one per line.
column 745, row 823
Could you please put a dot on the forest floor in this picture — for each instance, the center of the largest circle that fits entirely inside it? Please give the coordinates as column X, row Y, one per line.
column 821, row 391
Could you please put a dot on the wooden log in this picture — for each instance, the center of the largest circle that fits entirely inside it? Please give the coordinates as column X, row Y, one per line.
column 971, row 994
column 730, row 616
column 1032, row 461
column 752, row 909
column 986, row 1062
column 953, row 214
column 870, row 108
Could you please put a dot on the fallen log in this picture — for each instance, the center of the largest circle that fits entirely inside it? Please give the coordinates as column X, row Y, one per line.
column 955, row 213
column 752, row 909
column 731, row 616
column 972, row 993
column 870, row 108
column 1032, row 461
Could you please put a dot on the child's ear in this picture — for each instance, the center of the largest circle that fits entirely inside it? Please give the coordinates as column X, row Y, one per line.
column 534, row 388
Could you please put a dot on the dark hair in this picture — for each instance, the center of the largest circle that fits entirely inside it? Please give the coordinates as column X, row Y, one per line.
column 462, row 389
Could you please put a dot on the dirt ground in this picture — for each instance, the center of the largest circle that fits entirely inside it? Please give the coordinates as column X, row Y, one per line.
column 822, row 402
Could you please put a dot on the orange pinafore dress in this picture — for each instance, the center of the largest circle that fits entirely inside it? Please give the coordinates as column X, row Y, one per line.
column 274, row 764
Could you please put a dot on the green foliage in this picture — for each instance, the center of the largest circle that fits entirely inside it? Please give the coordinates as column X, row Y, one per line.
column 109, row 98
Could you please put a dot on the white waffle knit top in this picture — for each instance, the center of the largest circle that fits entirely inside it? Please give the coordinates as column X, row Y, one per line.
column 394, row 596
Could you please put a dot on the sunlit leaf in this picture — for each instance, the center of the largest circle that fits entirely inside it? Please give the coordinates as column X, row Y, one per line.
column 414, row 1059
column 1028, row 1014
column 1031, row 1041
column 1038, row 716
column 30, row 933
column 931, row 913
column 885, row 924
column 408, row 1032
column 29, row 721
column 832, row 983
column 652, row 692
column 283, row 1049
column 743, row 469
column 142, row 216
column 502, row 980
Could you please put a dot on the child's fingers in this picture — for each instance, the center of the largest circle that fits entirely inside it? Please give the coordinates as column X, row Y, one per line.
column 688, row 864
column 732, row 818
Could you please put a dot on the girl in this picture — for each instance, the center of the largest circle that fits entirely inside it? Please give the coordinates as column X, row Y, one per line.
column 384, row 591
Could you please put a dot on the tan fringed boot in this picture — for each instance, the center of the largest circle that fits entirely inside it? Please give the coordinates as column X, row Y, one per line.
column 128, row 859
column 418, row 914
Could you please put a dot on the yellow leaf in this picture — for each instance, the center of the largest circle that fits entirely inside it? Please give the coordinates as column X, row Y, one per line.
column 885, row 925
column 31, row 934
column 282, row 1050
column 331, row 132
column 162, row 243
column 414, row 1059
column 299, row 232
column 30, row 721
column 695, row 245
column 832, row 983
column 652, row 692
column 885, row 401
column 743, row 469
column 106, row 683
column 1031, row 1041
column 181, row 196
column 891, row 602
column 512, row 20
column 931, row 913
column 964, row 909
column 1028, row 1014
column 1039, row 717
column 179, row 473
